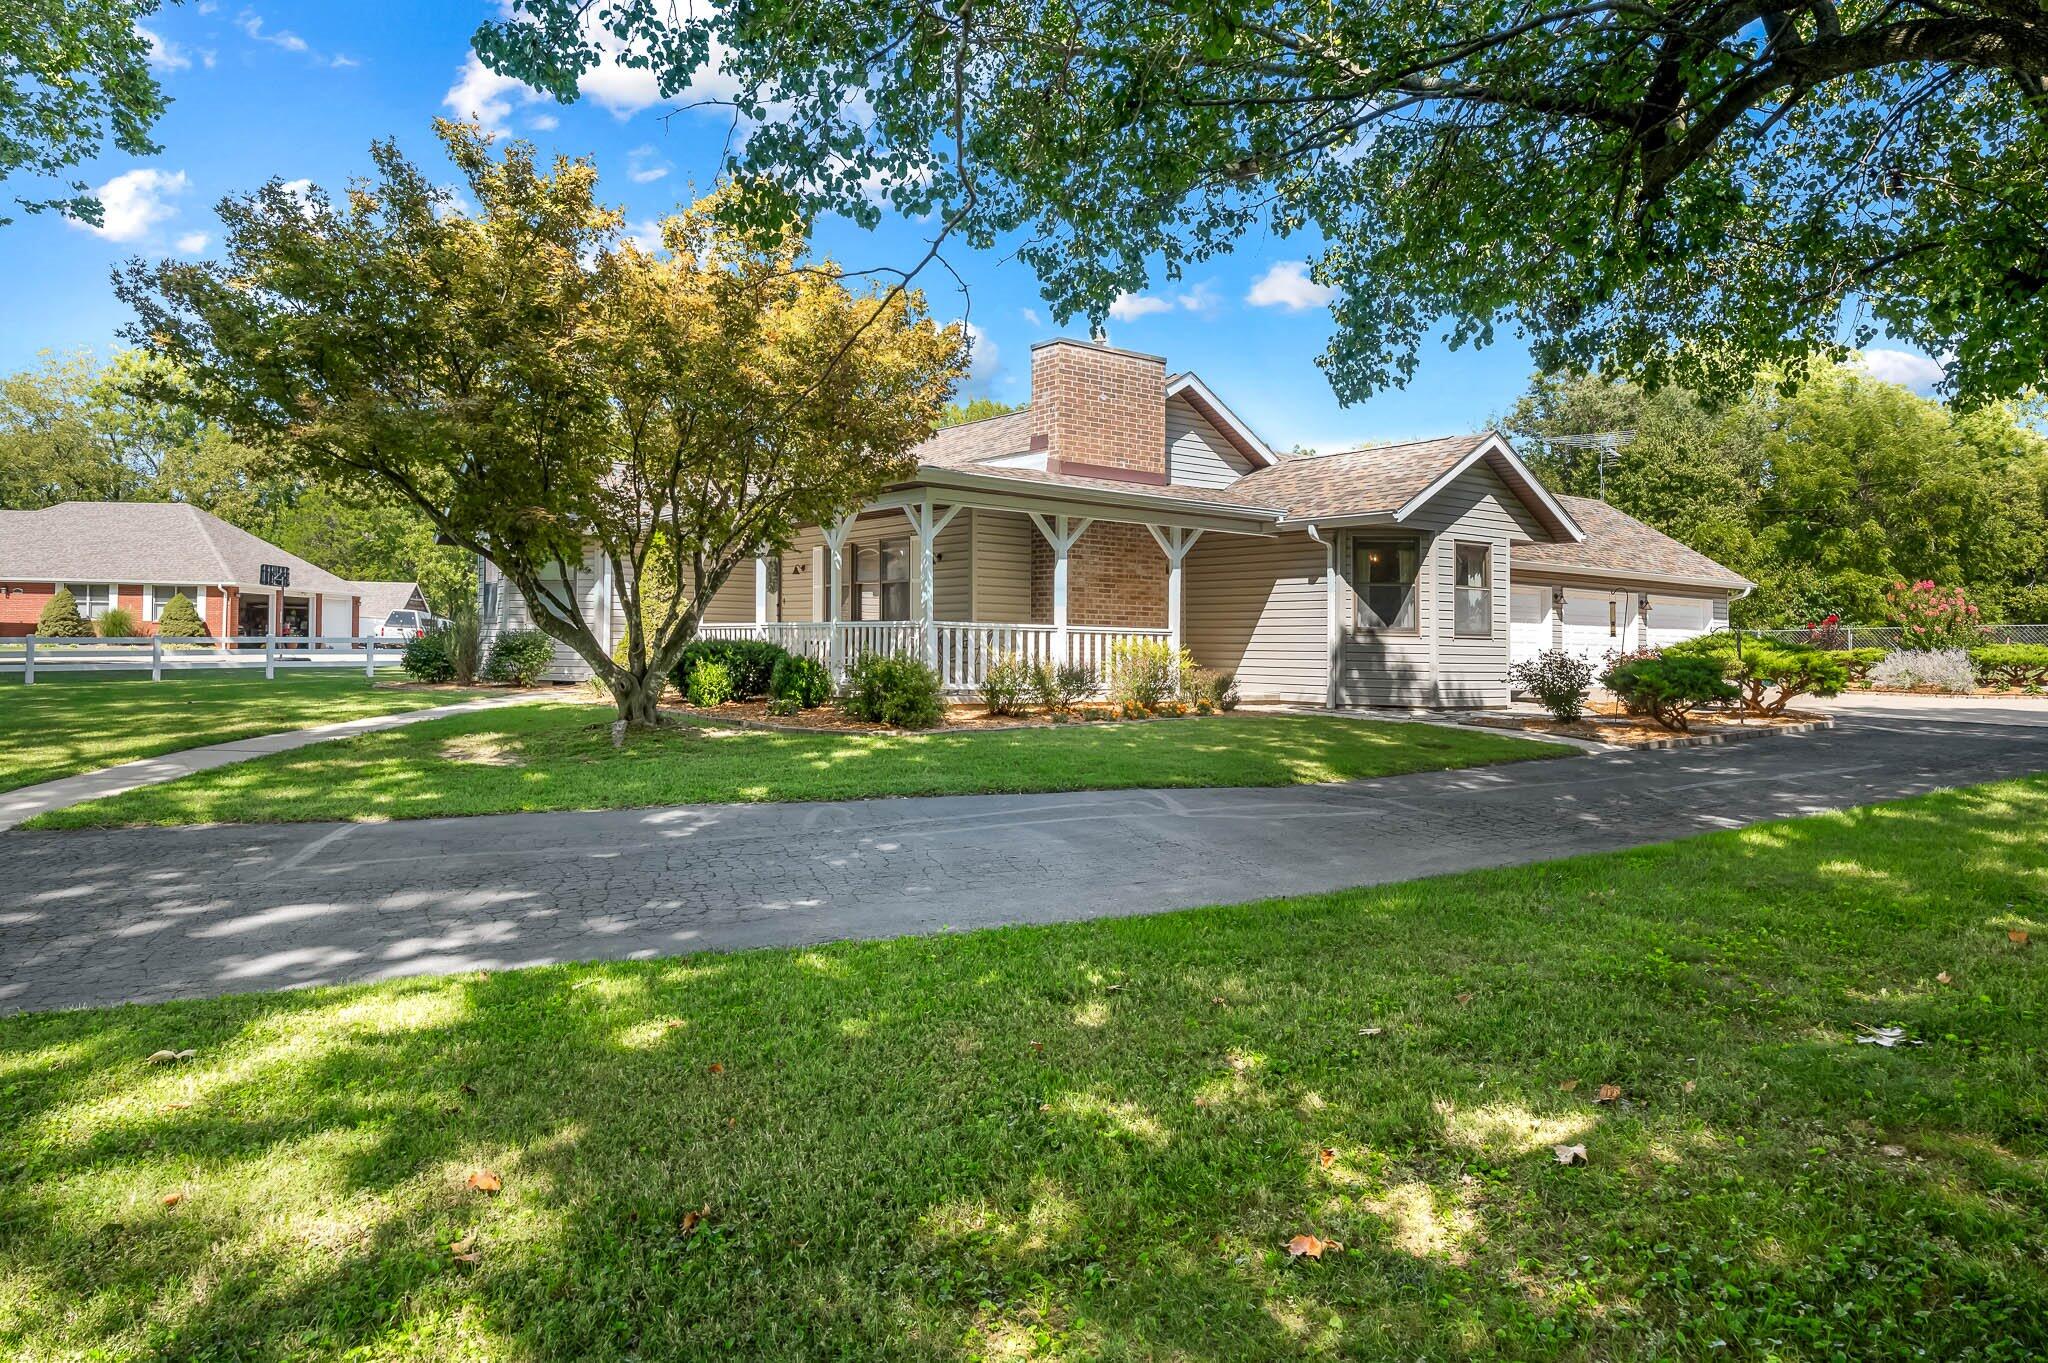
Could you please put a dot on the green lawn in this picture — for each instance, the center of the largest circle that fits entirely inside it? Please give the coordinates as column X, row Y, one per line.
column 1091, row 1141
column 561, row 757
column 64, row 725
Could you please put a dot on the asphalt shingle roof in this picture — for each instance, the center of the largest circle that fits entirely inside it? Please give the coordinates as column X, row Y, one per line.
column 1378, row 478
column 989, row 438
column 136, row 542
column 1620, row 544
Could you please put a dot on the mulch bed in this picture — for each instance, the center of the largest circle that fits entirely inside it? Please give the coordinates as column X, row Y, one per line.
column 1609, row 724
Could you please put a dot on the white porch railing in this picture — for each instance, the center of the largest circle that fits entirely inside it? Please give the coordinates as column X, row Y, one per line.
column 154, row 654
column 965, row 649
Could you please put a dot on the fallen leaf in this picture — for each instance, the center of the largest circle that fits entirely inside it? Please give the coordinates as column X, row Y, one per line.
column 176, row 1107
column 1113, row 988
column 1892, row 1151
column 672, row 1024
column 1310, row 1247
column 1608, row 1093
column 1690, row 1086
column 484, row 1181
column 1219, row 1000
column 1045, row 1107
column 1038, row 1046
column 1569, row 1154
column 1370, row 1031
column 173, row 1199
column 1464, row 998
column 1328, row 1156
column 464, row 1245
column 2018, row 937
column 161, row 1058
column 692, row 1220
column 1944, row 978
column 716, row 1068
column 468, row 1088
column 1568, row 1086
column 469, row 1258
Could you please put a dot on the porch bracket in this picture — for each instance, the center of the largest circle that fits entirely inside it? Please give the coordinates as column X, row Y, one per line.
column 835, row 540
column 1174, row 541
column 1062, row 532
column 926, row 522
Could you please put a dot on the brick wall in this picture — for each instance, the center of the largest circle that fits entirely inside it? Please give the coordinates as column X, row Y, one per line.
column 21, row 604
column 1099, row 408
column 1115, row 576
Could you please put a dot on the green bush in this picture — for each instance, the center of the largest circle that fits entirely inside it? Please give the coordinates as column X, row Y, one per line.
column 2011, row 664
column 1559, row 680
column 1007, row 684
column 465, row 633
column 802, row 681
column 1146, row 673
column 519, row 656
column 1668, row 687
column 1859, row 661
column 179, row 619
column 898, row 691
column 782, row 707
column 1057, row 688
column 750, row 663
column 1769, row 675
column 116, row 622
column 426, row 658
column 60, row 618
column 1207, row 689
column 710, row 683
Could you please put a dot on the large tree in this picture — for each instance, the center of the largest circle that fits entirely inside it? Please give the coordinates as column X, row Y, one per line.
column 71, row 71
column 537, row 384
column 1679, row 189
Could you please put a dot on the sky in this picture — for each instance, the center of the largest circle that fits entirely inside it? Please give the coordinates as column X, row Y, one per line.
column 298, row 92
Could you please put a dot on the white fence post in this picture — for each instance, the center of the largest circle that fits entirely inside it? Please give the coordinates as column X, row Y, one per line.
column 28, row 663
column 156, row 657
column 270, row 657
column 370, row 659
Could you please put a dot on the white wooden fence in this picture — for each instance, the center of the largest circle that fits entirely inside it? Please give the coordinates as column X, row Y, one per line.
column 48, row 654
column 964, row 649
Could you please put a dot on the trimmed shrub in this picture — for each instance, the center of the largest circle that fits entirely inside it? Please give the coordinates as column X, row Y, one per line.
column 465, row 631
column 1944, row 669
column 710, row 683
column 426, row 658
column 1145, row 673
column 1668, row 687
column 2011, row 664
column 1558, row 680
column 901, row 692
column 801, row 681
column 1207, row 689
column 1057, row 688
column 519, row 656
column 1859, row 661
column 116, row 622
column 60, row 618
column 749, row 663
column 179, row 619
column 782, row 707
column 1007, row 683
column 1769, row 675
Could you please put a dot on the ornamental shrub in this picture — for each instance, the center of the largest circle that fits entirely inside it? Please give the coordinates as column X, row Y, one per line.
column 750, row 664
column 115, row 622
column 900, row 691
column 1207, row 689
column 1058, row 687
column 1859, row 661
column 1558, row 680
column 1668, row 687
column 1943, row 669
column 2011, row 664
column 1769, row 675
column 179, row 619
column 801, row 681
column 1146, row 673
column 426, row 658
column 519, row 656
column 60, row 618
column 465, row 641
column 1007, row 684
column 710, row 683
column 1931, row 617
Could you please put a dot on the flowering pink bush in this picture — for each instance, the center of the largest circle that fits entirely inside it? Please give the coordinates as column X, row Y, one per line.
column 1933, row 617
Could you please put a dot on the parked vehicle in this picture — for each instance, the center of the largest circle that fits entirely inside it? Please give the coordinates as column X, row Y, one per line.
column 405, row 625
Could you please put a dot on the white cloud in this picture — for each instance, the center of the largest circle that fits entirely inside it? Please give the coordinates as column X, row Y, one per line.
column 1287, row 285
column 983, row 358
column 192, row 243
column 302, row 190
column 342, row 63
column 645, row 234
column 165, row 55
column 543, row 123
column 1129, row 307
column 1031, row 316
column 135, row 201
column 1902, row 367
column 252, row 23
column 644, row 166
column 1201, row 298
column 207, row 57
column 482, row 94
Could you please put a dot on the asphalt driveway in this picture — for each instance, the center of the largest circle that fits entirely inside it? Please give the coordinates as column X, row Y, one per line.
column 139, row 915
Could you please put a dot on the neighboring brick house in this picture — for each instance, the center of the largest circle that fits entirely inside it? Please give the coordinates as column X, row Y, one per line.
column 137, row 555
column 1127, row 502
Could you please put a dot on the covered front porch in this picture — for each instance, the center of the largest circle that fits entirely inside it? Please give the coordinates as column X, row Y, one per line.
column 964, row 576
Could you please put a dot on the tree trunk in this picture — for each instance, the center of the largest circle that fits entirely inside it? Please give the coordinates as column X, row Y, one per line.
column 637, row 698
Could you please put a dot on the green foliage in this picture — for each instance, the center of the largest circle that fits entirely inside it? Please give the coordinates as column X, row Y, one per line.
column 803, row 681
column 1006, row 685
column 179, row 619
column 72, row 73
column 116, row 622
column 974, row 409
column 750, row 664
column 1558, row 680
column 711, row 683
column 782, row 707
column 1207, row 689
column 1057, row 686
column 1931, row 616
column 1859, row 661
column 464, row 633
column 1146, row 673
column 60, row 618
column 1668, row 687
column 428, row 657
column 896, row 690
column 1664, row 188
column 1768, row 674
column 519, row 656
column 2011, row 664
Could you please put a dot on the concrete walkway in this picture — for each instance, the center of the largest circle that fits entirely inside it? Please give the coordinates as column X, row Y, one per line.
column 20, row 805
column 95, row 917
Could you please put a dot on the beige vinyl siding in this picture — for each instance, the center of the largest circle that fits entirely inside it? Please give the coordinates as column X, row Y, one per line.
column 953, row 569
column 1197, row 455
column 509, row 613
column 1001, row 558
column 1434, row 666
column 805, row 563
column 1257, row 608
column 733, row 604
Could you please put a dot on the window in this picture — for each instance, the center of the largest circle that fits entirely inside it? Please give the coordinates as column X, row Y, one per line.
column 158, row 597
column 878, row 581
column 1472, row 574
column 1383, row 573
column 94, row 600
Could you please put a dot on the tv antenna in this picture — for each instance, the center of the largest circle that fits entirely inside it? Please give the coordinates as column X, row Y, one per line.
column 1606, row 442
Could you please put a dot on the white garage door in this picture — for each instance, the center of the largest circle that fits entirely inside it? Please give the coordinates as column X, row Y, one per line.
column 1598, row 623
column 1528, row 622
column 334, row 617
column 1674, row 618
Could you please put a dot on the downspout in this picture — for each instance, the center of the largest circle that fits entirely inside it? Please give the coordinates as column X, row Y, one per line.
column 1331, row 642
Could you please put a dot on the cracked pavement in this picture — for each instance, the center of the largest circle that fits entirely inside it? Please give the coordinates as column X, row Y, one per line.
column 139, row 915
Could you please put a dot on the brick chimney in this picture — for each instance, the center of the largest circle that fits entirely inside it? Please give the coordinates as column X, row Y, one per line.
column 1099, row 412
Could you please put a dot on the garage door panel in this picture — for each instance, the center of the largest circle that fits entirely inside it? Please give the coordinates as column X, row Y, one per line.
column 1528, row 622
column 1598, row 623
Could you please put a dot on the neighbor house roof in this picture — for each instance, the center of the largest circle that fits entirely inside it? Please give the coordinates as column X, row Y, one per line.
column 382, row 598
column 1619, row 545
column 139, row 542
column 973, row 441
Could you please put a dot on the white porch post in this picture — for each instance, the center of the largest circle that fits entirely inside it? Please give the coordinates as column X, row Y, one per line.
column 1332, row 627
column 1061, row 532
column 760, row 596
column 1174, row 542
column 835, row 541
column 925, row 524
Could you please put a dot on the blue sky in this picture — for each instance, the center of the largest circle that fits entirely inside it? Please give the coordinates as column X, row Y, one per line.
column 298, row 91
